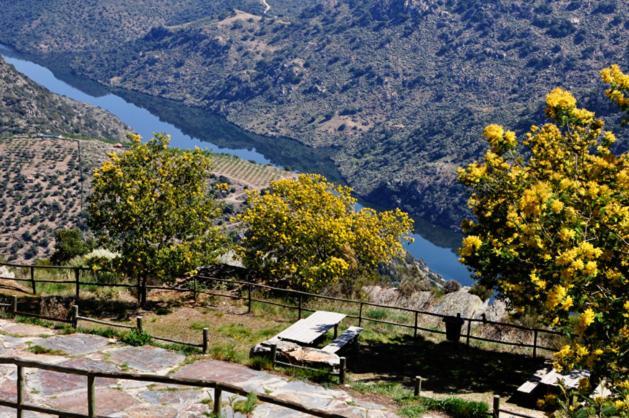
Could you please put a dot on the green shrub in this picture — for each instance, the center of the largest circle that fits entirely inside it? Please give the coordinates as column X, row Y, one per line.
column 136, row 338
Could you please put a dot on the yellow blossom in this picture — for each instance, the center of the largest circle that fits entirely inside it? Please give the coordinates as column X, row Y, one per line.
column 560, row 98
column 586, row 318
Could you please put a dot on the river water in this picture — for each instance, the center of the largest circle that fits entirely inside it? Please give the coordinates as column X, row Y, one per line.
column 194, row 127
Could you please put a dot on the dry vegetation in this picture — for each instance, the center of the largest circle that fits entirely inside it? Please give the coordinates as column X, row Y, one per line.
column 44, row 182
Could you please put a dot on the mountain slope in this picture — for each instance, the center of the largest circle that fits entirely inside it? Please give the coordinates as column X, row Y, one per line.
column 26, row 108
column 402, row 88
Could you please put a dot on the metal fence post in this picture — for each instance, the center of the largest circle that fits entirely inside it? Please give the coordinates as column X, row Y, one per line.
column 14, row 307
column 360, row 314
column 535, row 343
column 206, row 340
column 91, row 396
column 496, row 411
column 138, row 324
column 343, row 366
column 33, row 280
column 217, row 401
column 77, row 280
column 20, row 390
column 75, row 316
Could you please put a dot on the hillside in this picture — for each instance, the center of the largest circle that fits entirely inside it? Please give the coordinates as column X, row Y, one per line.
column 26, row 108
column 45, row 181
column 400, row 89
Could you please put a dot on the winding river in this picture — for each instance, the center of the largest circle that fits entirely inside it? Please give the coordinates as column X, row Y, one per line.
column 194, row 127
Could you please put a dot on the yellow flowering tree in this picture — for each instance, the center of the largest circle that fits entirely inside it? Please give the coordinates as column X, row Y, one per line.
column 551, row 230
column 152, row 205
column 305, row 233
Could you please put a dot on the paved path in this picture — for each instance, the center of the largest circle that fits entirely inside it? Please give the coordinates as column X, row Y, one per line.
column 137, row 399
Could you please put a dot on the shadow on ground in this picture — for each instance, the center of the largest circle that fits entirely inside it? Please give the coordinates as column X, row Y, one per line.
column 448, row 367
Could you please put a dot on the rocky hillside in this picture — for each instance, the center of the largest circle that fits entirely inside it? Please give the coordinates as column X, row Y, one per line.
column 26, row 108
column 44, row 183
column 399, row 88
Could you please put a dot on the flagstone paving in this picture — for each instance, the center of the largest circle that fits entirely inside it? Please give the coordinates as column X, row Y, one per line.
column 120, row 398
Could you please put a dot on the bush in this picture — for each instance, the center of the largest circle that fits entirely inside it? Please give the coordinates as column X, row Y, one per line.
column 481, row 291
column 69, row 243
column 452, row 286
column 136, row 338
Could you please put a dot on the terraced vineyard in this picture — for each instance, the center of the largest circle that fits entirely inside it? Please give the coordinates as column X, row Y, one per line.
column 246, row 172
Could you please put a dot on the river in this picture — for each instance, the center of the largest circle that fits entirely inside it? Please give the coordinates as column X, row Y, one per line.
column 194, row 127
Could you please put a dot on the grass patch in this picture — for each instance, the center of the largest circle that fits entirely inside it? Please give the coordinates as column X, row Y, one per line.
column 226, row 352
column 38, row 349
column 43, row 323
column 136, row 338
column 246, row 406
column 411, row 406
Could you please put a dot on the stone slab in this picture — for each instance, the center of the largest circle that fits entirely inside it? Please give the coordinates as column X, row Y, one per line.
column 147, row 358
column 75, row 344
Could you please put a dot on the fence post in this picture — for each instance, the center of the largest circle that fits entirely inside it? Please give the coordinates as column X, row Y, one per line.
column 20, row 390
column 273, row 355
column 91, row 396
column 206, row 340
column 469, row 329
column 14, row 307
column 217, row 401
column 535, row 343
column 194, row 289
column 299, row 306
column 418, row 386
column 342, row 370
column 139, row 292
column 75, row 316
column 138, row 324
column 144, row 294
column 33, row 280
column 249, row 298
column 77, row 280
column 416, row 323
column 360, row 315
column 496, row 411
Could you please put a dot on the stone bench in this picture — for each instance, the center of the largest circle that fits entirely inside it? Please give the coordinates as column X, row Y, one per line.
column 350, row 335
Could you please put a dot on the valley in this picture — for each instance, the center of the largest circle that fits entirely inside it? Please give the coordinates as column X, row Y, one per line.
column 398, row 91
column 191, row 127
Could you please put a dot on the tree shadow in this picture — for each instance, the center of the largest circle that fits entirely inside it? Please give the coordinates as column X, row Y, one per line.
column 449, row 367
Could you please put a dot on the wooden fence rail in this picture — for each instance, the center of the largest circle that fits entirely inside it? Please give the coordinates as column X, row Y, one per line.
column 300, row 297
column 91, row 375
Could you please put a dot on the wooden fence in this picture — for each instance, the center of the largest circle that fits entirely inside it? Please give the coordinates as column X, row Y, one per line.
column 91, row 375
column 300, row 297
column 246, row 291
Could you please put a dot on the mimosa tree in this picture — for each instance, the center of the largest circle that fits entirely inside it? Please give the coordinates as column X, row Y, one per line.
column 551, row 230
column 306, row 233
column 152, row 204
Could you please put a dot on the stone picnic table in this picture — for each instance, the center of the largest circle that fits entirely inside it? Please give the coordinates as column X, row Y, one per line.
column 551, row 377
column 307, row 331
